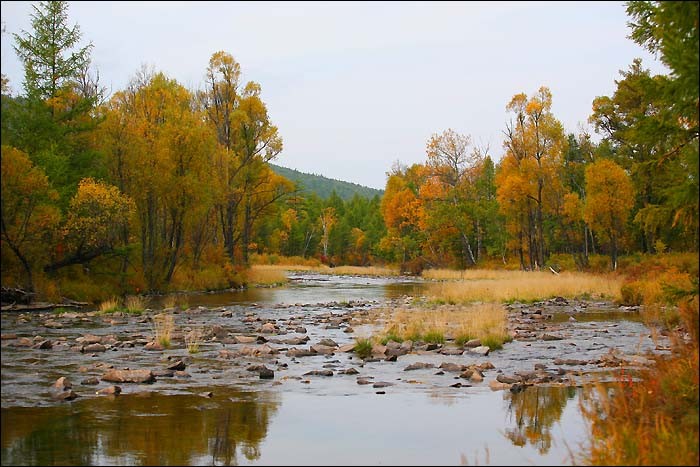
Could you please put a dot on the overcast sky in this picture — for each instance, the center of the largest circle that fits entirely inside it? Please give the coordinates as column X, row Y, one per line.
column 355, row 86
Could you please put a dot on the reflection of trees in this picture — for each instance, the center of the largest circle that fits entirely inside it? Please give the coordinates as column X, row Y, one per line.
column 149, row 430
column 534, row 411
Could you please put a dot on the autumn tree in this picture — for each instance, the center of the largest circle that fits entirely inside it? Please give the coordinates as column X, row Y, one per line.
column 28, row 217
column 530, row 173
column 609, row 200
column 161, row 154
column 97, row 216
column 327, row 220
column 248, row 140
column 449, row 192
column 403, row 213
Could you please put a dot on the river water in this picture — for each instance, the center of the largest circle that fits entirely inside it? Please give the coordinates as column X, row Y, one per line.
column 222, row 414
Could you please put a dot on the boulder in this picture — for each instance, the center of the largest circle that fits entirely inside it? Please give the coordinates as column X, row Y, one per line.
column 129, row 376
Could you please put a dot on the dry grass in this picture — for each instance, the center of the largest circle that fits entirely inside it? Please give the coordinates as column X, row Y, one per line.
column 134, row 304
column 508, row 286
column 470, row 274
column 280, row 269
column 193, row 339
column 109, row 306
column 486, row 321
column 263, row 274
column 163, row 326
column 654, row 422
column 362, row 271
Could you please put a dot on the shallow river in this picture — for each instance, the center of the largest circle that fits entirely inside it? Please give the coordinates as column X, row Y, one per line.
column 222, row 414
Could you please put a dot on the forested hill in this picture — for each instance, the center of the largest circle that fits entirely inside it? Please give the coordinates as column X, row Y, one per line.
column 323, row 186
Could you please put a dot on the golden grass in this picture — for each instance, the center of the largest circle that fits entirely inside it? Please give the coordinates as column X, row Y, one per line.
column 193, row 339
column 163, row 326
column 485, row 321
column 263, row 274
column 361, row 271
column 109, row 305
column 280, row 269
column 134, row 303
column 507, row 286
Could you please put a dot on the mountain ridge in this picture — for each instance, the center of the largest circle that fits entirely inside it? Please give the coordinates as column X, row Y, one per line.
column 324, row 186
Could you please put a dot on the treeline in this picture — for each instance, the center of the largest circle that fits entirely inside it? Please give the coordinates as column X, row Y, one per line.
column 634, row 191
column 155, row 187
column 323, row 186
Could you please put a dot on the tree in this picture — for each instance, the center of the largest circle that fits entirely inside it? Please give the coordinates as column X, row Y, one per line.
column 50, row 62
column 327, row 220
column 531, row 170
column 98, row 214
column 28, row 217
column 609, row 200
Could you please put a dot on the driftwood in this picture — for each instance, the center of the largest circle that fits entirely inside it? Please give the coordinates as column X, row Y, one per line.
column 16, row 299
column 38, row 306
column 15, row 295
column 553, row 271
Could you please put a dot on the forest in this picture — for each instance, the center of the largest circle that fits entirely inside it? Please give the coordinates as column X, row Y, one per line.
column 157, row 187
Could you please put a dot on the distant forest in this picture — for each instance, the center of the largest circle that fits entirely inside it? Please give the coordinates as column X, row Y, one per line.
column 323, row 186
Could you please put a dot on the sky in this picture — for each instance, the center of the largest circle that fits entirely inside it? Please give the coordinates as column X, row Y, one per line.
column 354, row 87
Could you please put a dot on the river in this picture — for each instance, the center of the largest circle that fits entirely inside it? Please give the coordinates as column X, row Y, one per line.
column 219, row 413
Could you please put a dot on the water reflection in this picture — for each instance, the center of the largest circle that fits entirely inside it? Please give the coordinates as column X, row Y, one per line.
column 146, row 429
column 534, row 412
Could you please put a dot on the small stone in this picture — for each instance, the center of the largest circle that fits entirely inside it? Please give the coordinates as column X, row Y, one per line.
column 109, row 391
column 266, row 373
column 92, row 381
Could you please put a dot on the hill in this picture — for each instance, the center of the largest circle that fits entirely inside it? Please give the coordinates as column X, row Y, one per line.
column 324, row 186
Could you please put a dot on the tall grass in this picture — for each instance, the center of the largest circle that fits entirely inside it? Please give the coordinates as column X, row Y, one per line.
column 506, row 286
column 653, row 421
column 193, row 339
column 134, row 304
column 484, row 321
column 109, row 306
column 163, row 326
column 262, row 274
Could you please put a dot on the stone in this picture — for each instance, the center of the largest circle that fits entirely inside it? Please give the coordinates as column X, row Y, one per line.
column 68, row 395
column 319, row 373
column 268, row 328
column 328, row 343
column 266, row 373
column 129, row 376
column 418, row 366
column 507, row 379
column 347, row 348
column 88, row 339
column 62, row 384
column 551, row 337
column 155, row 346
column 498, row 386
column 363, row 381
column 109, row 391
column 382, row 384
column 91, row 381
column 322, row 349
column 378, row 349
column 177, row 366
column 94, row 348
column 350, row 371
column 451, row 367
column 481, row 350
column 473, row 343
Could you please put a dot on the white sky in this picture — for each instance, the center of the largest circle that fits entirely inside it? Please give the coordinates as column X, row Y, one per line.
column 355, row 86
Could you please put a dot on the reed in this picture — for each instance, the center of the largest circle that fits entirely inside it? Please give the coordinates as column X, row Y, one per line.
column 509, row 286
column 483, row 321
column 163, row 326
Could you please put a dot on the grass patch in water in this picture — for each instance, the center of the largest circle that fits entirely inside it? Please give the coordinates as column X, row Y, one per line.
column 363, row 347
column 163, row 326
column 391, row 337
column 465, row 322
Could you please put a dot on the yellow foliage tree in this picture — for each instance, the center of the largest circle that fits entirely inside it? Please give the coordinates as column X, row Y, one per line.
column 28, row 219
column 609, row 200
